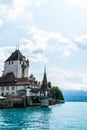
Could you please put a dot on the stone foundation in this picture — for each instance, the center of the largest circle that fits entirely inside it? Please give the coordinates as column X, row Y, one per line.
column 44, row 102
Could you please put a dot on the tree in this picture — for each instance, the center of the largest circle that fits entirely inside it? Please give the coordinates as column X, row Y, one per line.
column 32, row 76
column 49, row 84
column 57, row 93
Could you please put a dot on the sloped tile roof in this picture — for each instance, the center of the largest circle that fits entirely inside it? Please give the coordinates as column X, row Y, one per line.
column 9, row 79
column 15, row 56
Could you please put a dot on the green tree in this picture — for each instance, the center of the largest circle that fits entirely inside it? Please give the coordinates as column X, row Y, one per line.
column 49, row 84
column 57, row 93
column 32, row 76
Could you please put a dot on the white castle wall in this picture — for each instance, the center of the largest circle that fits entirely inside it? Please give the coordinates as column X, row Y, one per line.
column 15, row 67
column 11, row 66
column 10, row 90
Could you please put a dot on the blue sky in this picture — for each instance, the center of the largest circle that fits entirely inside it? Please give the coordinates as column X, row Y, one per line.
column 51, row 32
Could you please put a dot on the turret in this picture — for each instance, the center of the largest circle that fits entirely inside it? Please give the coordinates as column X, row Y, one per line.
column 44, row 91
column 44, row 86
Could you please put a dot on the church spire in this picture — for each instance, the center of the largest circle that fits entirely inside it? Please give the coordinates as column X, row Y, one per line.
column 44, row 82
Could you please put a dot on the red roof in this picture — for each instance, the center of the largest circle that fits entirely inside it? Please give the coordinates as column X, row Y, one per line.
column 9, row 79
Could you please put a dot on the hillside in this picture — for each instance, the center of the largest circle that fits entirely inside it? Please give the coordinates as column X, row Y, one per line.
column 75, row 96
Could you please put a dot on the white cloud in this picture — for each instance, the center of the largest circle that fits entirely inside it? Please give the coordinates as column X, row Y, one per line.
column 54, row 40
column 81, row 42
column 19, row 9
column 80, row 3
column 67, row 79
column 15, row 9
column 82, row 39
column 1, row 22
column 41, row 2
column 40, row 58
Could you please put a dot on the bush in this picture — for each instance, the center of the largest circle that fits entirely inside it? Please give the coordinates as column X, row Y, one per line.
column 57, row 93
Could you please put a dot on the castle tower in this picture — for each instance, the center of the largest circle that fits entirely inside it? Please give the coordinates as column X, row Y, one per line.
column 44, row 91
column 18, row 64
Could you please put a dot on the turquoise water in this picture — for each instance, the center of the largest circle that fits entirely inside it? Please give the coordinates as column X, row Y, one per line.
column 67, row 116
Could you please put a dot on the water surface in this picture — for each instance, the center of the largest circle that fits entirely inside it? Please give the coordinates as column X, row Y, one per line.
column 67, row 116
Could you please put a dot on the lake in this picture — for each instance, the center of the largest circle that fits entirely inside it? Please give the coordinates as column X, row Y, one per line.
column 67, row 116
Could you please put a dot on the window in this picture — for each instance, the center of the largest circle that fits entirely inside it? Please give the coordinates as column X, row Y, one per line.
column 12, row 87
column 7, row 88
column 7, row 93
column 2, row 88
column 20, row 61
column 24, row 87
column 12, row 93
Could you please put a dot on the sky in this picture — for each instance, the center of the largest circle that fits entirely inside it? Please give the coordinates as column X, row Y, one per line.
column 48, row 32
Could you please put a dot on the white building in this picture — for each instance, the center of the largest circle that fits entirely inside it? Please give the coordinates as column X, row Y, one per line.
column 15, row 81
column 15, row 75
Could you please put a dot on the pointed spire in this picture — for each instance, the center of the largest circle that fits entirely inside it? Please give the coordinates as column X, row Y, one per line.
column 44, row 82
column 44, row 68
column 16, row 47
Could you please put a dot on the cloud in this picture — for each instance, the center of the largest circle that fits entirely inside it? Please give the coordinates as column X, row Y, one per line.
column 11, row 10
column 38, row 51
column 81, row 41
column 41, row 2
column 78, row 9
column 54, row 40
column 39, row 58
column 66, row 79
column 79, row 6
column 82, row 4
column 15, row 9
column 1, row 22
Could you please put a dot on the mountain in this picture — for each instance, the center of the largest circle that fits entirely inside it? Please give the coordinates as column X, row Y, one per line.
column 75, row 95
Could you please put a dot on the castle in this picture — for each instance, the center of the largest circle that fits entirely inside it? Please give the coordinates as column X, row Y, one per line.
column 15, row 80
column 15, row 74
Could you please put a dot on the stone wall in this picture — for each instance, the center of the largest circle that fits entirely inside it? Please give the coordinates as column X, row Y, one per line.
column 44, row 102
